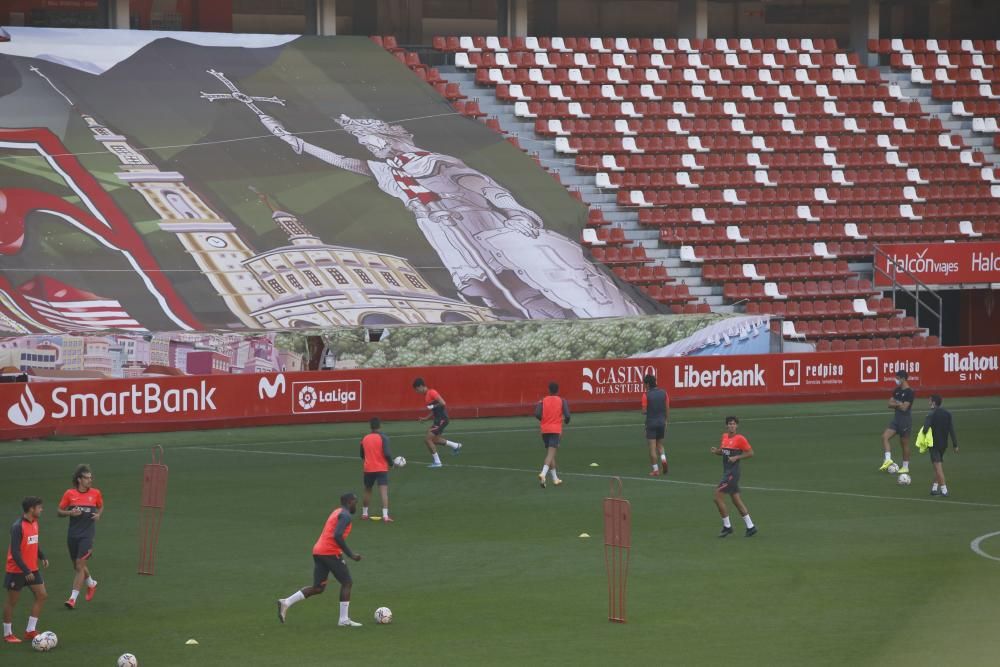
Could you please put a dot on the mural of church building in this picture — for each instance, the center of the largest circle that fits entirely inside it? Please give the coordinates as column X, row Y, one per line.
column 306, row 283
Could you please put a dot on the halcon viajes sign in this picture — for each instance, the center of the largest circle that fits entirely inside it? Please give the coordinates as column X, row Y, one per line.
column 939, row 263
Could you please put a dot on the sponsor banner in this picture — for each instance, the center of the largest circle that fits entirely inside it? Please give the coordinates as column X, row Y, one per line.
column 177, row 403
column 939, row 263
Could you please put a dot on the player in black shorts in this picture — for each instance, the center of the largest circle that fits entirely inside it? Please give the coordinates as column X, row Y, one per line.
column 942, row 427
column 656, row 406
column 438, row 411
column 733, row 449
column 24, row 561
column 901, row 403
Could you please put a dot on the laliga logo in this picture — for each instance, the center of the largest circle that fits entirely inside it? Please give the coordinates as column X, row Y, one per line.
column 307, row 398
column 588, row 375
column 27, row 411
column 271, row 389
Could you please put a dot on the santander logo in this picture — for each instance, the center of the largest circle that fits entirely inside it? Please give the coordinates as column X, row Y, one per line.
column 27, row 411
column 269, row 388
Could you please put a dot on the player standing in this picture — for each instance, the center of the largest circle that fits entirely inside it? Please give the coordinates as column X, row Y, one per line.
column 656, row 406
column 84, row 505
column 23, row 556
column 942, row 427
column 377, row 460
column 901, row 402
column 436, row 405
column 552, row 411
column 734, row 448
column 328, row 557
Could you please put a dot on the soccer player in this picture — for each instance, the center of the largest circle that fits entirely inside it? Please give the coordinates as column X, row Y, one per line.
column 901, row 402
column 436, row 405
column 328, row 557
column 377, row 460
column 83, row 504
column 23, row 558
column 552, row 411
column 734, row 448
column 655, row 405
column 942, row 427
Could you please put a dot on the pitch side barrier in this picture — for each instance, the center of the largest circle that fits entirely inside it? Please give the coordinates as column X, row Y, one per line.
column 41, row 409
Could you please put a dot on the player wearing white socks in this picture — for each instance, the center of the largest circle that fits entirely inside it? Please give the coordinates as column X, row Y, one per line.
column 552, row 411
column 23, row 560
column 433, row 439
column 733, row 449
column 376, row 460
column 328, row 557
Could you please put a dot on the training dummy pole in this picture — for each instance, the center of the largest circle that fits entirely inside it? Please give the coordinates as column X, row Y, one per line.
column 154, row 499
column 617, row 549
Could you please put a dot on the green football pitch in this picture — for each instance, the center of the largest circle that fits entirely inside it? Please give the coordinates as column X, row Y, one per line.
column 484, row 567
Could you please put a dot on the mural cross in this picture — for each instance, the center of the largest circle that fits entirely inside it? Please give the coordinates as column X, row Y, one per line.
column 236, row 95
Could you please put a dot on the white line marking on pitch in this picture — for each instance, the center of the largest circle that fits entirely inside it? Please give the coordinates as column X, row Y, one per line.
column 974, row 545
column 606, row 476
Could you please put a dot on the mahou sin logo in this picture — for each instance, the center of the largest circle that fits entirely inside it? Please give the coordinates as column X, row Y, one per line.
column 326, row 396
column 970, row 366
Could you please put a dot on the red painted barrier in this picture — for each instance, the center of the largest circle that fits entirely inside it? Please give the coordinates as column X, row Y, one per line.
column 178, row 403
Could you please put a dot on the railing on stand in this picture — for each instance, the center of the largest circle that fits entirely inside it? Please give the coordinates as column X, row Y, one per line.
column 892, row 271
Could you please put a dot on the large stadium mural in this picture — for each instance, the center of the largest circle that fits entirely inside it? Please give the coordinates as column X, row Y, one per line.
column 181, row 182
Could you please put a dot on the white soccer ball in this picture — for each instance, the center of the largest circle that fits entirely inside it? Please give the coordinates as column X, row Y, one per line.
column 399, row 461
column 45, row 641
column 128, row 660
column 383, row 615
column 903, row 480
column 893, row 469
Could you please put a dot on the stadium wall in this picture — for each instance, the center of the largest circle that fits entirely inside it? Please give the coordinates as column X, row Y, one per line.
column 198, row 402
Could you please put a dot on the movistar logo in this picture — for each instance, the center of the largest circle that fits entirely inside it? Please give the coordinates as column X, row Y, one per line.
column 269, row 388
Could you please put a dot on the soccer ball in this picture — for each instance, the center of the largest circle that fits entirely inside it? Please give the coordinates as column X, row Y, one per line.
column 893, row 469
column 128, row 660
column 45, row 641
column 399, row 461
column 383, row 615
column 903, row 480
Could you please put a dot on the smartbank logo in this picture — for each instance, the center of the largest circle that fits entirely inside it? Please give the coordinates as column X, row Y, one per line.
column 326, row 396
column 270, row 389
column 919, row 264
column 688, row 377
column 146, row 399
column 615, row 379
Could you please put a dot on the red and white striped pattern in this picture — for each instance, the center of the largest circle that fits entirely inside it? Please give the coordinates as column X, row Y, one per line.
column 71, row 309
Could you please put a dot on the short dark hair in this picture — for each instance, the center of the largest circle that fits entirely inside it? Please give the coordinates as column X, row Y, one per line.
column 936, row 400
column 649, row 380
column 902, row 374
column 80, row 471
column 553, row 387
column 732, row 418
column 419, row 382
column 375, row 423
column 347, row 497
column 30, row 502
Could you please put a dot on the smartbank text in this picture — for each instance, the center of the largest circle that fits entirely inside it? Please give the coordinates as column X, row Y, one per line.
column 147, row 399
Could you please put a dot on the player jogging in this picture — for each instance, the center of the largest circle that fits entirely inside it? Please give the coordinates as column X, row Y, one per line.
column 655, row 405
column 328, row 557
column 83, row 504
column 901, row 402
column 376, row 459
column 733, row 449
column 436, row 405
column 552, row 411
column 942, row 427
column 23, row 557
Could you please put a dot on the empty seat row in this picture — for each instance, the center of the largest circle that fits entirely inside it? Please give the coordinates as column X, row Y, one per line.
column 876, row 343
column 779, row 270
column 631, row 45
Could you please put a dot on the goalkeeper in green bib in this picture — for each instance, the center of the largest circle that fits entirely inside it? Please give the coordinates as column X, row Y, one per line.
column 938, row 427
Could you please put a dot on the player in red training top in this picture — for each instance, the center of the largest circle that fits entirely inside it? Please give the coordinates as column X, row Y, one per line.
column 552, row 411
column 83, row 504
column 436, row 405
column 328, row 557
column 733, row 449
column 23, row 557
column 376, row 460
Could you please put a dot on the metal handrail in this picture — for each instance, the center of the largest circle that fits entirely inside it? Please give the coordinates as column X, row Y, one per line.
column 896, row 285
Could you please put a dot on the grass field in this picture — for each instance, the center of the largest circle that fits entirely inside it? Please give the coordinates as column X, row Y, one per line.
column 483, row 567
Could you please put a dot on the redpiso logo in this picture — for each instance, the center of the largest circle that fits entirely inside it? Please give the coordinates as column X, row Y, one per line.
column 326, row 396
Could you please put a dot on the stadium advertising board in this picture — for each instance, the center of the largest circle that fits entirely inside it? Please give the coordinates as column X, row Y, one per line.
column 188, row 402
column 940, row 263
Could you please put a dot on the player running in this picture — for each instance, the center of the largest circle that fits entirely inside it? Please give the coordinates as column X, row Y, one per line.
column 552, row 411
column 84, row 505
column 328, row 556
column 376, row 459
column 942, row 427
column 436, row 405
column 734, row 448
column 656, row 406
column 901, row 402
column 23, row 557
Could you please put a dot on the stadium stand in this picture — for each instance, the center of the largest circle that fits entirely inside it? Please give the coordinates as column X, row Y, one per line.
column 767, row 163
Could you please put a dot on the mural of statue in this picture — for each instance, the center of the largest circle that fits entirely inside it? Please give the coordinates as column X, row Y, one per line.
column 496, row 249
